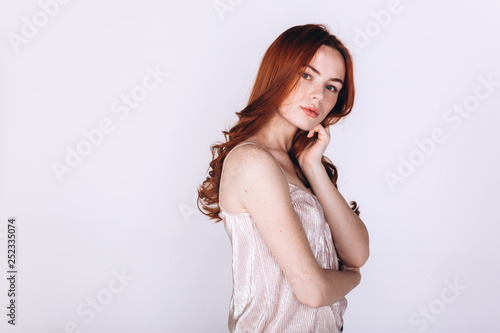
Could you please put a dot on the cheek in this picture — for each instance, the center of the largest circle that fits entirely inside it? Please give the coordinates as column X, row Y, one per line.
column 288, row 103
column 332, row 101
column 284, row 109
column 297, row 93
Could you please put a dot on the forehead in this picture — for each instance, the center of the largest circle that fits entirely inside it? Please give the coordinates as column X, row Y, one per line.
column 329, row 62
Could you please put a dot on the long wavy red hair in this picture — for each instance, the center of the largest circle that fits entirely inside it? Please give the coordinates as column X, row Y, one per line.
column 279, row 72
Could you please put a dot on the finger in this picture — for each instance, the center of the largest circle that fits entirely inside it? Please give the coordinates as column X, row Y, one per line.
column 323, row 132
column 317, row 128
column 311, row 132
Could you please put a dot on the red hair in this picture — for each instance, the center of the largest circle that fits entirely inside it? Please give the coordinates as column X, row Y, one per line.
column 279, row 72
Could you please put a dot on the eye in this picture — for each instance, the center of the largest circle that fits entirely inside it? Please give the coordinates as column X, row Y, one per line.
column 331, row 88
column 306, row 76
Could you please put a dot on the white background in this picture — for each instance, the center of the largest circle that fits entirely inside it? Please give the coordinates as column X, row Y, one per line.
column 128, row 206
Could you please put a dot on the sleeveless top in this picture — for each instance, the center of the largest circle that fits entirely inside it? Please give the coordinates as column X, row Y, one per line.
column 262, row 299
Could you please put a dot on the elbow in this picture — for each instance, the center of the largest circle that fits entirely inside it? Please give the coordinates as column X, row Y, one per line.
column 359, row 261
column 316, row 303
column 365, row 257
column 359, row 256
column 311, row 293
column 312, row 300
column 310, row 288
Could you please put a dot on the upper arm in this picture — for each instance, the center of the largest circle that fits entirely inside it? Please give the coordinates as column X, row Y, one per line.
column 263, row 190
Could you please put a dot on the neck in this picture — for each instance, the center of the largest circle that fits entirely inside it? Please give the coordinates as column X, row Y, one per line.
column 277, row 134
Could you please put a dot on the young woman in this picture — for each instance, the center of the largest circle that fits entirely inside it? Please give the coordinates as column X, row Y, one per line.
column 297, row 245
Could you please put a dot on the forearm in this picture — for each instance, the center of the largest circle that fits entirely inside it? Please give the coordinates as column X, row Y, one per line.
column 337, row 284
column 348, row 230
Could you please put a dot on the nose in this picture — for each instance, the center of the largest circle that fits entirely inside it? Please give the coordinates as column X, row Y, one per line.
column 317, row 93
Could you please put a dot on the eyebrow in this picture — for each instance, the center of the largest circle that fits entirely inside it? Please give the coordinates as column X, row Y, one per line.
column 331, row 79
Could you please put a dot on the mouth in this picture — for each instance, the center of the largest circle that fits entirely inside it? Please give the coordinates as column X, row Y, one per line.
column 311, row 111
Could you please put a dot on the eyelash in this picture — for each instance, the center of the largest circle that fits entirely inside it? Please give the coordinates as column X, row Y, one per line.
column 327, row 87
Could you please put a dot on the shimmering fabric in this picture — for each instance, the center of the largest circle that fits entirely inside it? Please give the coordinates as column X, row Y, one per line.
column 262, row 299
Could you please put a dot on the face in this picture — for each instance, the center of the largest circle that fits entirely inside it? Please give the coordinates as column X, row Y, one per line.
column 317, row 91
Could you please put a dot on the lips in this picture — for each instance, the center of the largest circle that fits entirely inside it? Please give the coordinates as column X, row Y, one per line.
column 311, row 111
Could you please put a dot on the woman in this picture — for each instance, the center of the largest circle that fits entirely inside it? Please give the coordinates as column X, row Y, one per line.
column 297, row 245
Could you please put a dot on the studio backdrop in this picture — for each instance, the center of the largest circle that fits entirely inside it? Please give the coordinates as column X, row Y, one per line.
column 108, row 110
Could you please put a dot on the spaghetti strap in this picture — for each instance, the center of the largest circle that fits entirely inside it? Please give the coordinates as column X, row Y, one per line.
column 242, row 143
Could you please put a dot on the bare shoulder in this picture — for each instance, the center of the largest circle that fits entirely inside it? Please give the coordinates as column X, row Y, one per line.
column 253, row 179
column 248, row 170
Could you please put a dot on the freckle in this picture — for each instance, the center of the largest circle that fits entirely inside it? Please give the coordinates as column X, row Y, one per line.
column 280, row 230
column 245, row 191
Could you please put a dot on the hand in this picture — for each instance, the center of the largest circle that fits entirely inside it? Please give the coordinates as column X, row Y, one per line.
column 313, row 153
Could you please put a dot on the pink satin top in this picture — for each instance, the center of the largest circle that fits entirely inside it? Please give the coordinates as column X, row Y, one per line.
column 262, row 299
